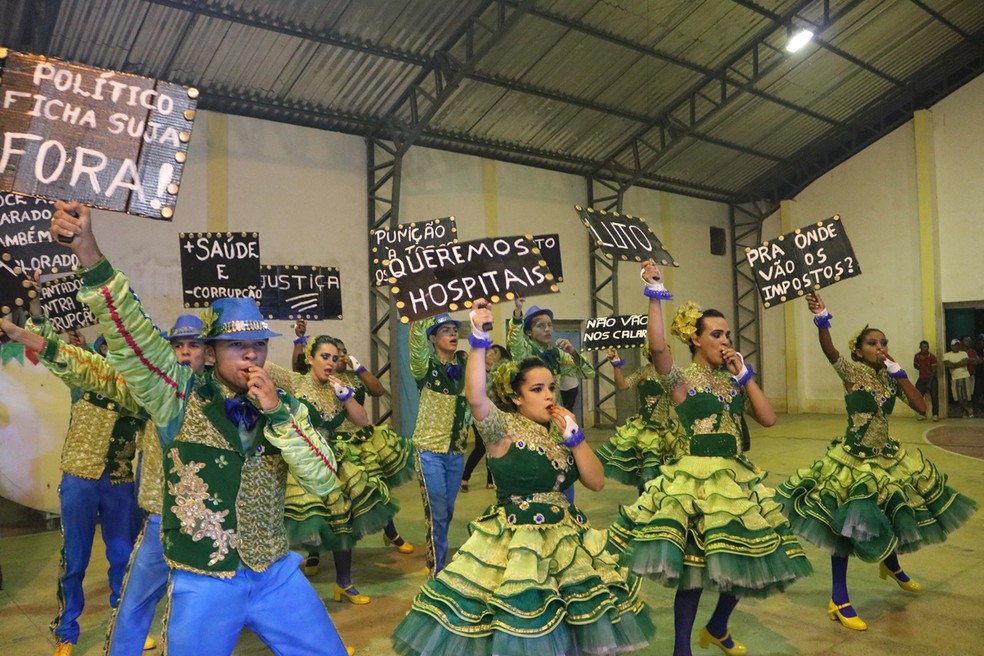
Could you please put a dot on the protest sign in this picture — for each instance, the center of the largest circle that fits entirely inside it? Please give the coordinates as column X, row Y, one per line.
column 15, row 288
column 624, row 237
column 111, row 140
column 448, row 278
column 290, row 292
column 549, row 246
column 330, row 282
column 390, row 244
column 618, row 331
column 24, row 225
column 802, row 261
column 217, row 264
column 60, row 305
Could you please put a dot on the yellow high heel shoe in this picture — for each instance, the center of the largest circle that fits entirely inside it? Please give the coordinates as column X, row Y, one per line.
column 149, row 643
column 356, row 598
column 909, row 586
column 737, row 648
column 350, row 650
column 405, row 548
column 855, row 623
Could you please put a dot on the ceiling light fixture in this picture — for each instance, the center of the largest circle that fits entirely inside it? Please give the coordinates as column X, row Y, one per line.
column 798, row 40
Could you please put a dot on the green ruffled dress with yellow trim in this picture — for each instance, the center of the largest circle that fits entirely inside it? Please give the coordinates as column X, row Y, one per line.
column 867, row 496
column 358, row 505
column 533, row 577
column 383, row 452
column 708, row 521
column 645, row 441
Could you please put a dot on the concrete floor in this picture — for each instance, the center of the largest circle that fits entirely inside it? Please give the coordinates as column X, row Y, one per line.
column 945, row 618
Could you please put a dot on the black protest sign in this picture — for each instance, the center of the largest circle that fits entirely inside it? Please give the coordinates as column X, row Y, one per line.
column 60, row 305
column 330, row 282
column 24, row 225
column 291, row 291
column 802, row 261
column 111, row 140
column 618, row 331
column 549, row 246
column 448, row 278
column 624, row 237
column 393, row 243
column 218, row 264
column 15, row 289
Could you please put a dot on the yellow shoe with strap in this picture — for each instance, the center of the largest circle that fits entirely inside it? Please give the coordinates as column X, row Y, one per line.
column 855, row 623
column 401, row 545
column 909, row 585
column 350, row 594
column 736, row 648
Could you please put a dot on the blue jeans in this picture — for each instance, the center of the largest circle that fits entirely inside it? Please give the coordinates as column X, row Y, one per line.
column 83, row 501
column 439, row 475
column 144, row 586
column 206, row 614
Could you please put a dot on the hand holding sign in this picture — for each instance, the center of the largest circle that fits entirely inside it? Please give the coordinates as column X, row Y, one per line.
column 73, row 222
column 481, row 316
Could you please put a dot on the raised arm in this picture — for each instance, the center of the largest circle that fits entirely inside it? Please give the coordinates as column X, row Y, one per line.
column 373, row 386
column 479, row 340
column 617, row 362
column 419, row 349
column 821, row 317
column 515, row 338
column 659, row 353
column 356, row 413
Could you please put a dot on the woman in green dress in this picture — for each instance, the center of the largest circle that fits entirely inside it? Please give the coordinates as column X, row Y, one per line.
column 360, row 504
column 647, row 440
column 707, row 521
column 867, row 496
column 533, row 577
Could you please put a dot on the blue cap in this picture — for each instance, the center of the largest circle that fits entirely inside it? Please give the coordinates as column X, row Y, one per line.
column 533, row 312
column 187, row 326
column 440, row 320
column 238, row 318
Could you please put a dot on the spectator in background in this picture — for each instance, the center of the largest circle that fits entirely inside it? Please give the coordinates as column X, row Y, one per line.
column 956, row 360
column 925, row 363
column 973, row 359
column 977, row 397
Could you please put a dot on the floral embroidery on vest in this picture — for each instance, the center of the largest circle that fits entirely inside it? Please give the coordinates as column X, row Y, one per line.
column 190, row 495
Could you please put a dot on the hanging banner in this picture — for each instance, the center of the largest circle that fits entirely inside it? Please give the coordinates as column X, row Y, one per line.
column 805, row 260
column 111, row 140
column 448, row 278
column 618, row 331
column 24, row 234
column 624, row 237
column 218, row 264
column 60, row 305
column 394, row 243
column 549, row 246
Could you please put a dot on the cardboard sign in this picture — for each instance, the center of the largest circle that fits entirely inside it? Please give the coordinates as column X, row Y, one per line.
column 24, row 225
column 391, row 244
column 289, row 292
column 803, row 261
column 618, row 331
column 217, row 264
column 15, row 288
column 448, row 278
column 549, row 246
column 624, row 237
column 111, row 140
column 60, row 305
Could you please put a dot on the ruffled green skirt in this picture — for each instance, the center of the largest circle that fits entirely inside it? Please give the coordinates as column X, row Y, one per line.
column 709, row 522
column 529, row 590
column 870, row 507
column 635, row 453
column 384, row 453
column 359, row 505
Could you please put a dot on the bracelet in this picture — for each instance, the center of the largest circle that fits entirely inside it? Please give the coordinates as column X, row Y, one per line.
column 478, row 341
column 361, row 369
column 576, row 438
column 658, row 291
column 345, row 394
column 744, row 375
column 822, row 320
column 617, row 362
column 301, row 340
column 898, row 374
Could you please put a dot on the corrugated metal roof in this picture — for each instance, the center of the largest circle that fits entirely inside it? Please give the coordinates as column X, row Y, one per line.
column 694, row 96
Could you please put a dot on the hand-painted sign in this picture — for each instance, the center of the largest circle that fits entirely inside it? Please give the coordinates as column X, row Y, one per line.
column 618, row 331
column 624, row 237
column 393, row 243
column 217, row 264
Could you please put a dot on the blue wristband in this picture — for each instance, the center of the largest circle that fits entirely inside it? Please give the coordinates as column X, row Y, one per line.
column 659, row 294
column 899, row 374
column 301, row 340
column 361, row 369
column 617, row 362
column 479, row 342
column 822, row 320
column 747, row 376
column 345, row 394
column 576, row 438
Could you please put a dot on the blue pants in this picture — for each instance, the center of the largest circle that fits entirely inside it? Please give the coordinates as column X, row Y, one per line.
column 144, row 586
column 439, row 475
column 206, row 613
column 83, row 501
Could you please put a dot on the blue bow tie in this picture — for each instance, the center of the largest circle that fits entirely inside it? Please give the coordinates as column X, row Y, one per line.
column 551, row 356
column 454, row 371
column 240, row 410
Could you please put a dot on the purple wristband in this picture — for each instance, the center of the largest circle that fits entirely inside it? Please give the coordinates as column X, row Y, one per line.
column 479, row 342
column 659, row 294
column 747, row 376
column 576, row 438
column 822, row 320
column 345, row 394
column 898, row 374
